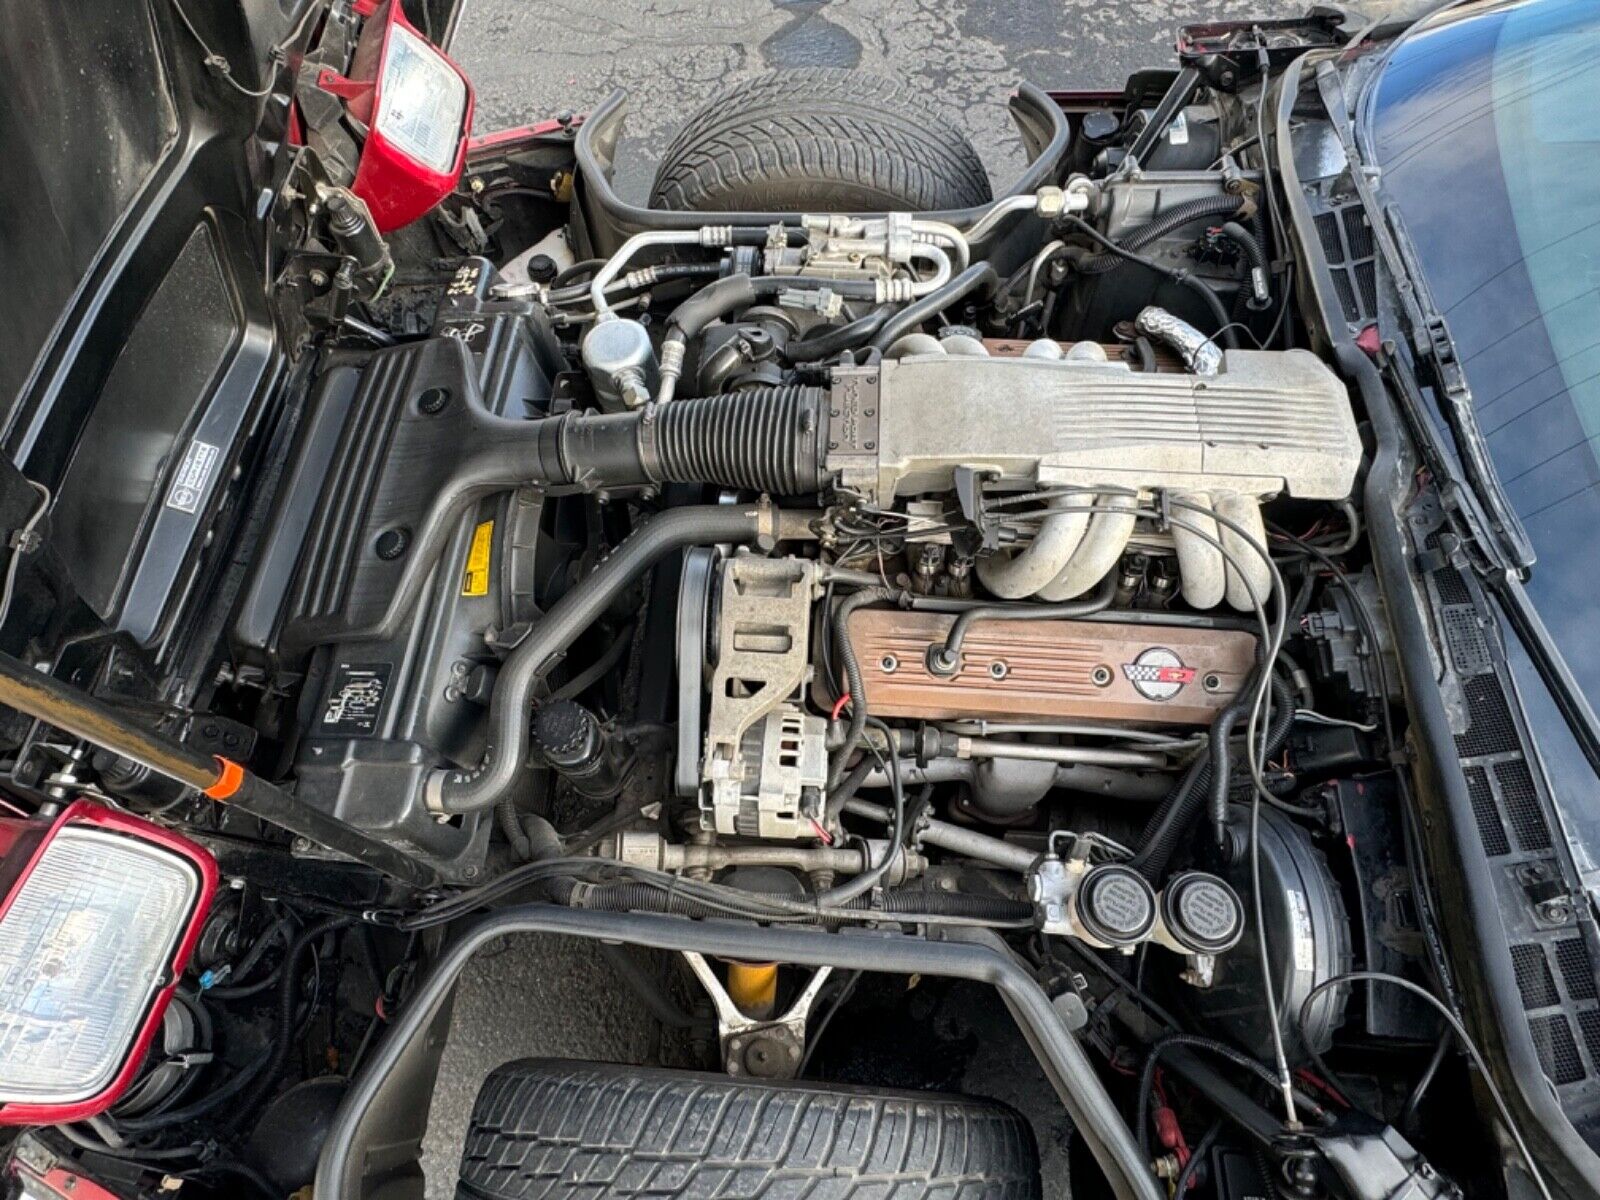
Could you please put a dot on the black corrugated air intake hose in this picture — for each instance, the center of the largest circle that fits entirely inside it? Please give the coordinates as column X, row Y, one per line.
column 766, row 440
column 1172, row 821
column 1157, row 228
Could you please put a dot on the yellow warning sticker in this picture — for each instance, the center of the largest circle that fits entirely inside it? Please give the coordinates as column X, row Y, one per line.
column 475, row 582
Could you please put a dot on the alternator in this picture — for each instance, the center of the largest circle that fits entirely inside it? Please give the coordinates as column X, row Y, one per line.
column 765, row 762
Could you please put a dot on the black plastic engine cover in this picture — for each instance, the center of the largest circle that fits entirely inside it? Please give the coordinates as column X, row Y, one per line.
column 394, row 624
column 379, row 714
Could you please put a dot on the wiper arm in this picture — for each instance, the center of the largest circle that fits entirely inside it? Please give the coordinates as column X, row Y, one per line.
column 1497, row 529
column 1436, row 349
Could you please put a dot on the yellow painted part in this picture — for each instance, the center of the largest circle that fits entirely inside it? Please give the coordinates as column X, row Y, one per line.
column 475, row 581
column 753, row 987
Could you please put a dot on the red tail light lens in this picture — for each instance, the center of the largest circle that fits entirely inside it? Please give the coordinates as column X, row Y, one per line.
column 100, row 914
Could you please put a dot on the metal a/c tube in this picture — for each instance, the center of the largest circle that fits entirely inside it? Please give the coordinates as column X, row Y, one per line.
column 1103, row 756
column 955, row 838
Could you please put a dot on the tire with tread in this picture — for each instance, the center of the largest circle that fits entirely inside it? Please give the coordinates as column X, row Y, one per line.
column 819, row 139
column 546, row 1129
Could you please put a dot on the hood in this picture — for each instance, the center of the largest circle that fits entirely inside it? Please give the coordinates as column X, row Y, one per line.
column 138, row 349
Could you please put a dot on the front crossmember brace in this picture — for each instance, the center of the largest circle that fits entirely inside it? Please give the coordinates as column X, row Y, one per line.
column 377, row 1134
column 767, row 1049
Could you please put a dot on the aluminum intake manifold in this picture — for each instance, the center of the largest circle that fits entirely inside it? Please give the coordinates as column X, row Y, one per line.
column 1267, row 423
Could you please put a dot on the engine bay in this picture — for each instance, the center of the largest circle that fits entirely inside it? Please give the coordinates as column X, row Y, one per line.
column 983, row 572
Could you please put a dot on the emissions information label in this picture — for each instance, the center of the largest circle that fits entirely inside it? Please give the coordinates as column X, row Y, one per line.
column 194, row 472
column 475, row 580
column 1305, row 946
column 355, row 700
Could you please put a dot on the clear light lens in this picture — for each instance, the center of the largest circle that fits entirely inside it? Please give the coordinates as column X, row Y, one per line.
column 421, row 101
column 84, row 948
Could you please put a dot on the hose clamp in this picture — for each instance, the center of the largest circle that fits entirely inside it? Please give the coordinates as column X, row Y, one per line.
column 766, row 524
column 645, row 443
column 433, row 794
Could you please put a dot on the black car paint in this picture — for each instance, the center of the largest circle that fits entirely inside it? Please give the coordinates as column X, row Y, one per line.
column 180, row 181
column 1478, row 961
column 140, row 355
column 1426, row 123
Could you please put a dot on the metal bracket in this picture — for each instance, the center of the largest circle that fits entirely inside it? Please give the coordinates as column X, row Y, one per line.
column 770, row 1049
column 762, row 753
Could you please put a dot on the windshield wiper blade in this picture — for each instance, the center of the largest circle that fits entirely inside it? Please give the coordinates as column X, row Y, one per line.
column 1495, row 526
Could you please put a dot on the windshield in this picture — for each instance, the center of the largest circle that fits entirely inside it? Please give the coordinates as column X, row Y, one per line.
column 1486, row 128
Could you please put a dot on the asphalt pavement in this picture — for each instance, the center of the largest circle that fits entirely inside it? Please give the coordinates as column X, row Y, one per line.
column 532, row 59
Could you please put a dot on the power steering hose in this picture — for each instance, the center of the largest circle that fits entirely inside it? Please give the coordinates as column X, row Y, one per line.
column 979, row 277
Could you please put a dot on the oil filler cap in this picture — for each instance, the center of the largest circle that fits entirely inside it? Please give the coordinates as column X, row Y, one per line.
column 1116, row 905
column 1202, row 913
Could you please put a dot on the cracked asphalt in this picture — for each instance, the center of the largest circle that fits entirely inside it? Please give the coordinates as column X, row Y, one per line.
column 531, row 59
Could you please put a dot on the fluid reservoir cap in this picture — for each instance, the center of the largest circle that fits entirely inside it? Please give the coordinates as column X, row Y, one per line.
column 1099, row 125
column 1116, row 905
column 567, row 733
column 1202, row 912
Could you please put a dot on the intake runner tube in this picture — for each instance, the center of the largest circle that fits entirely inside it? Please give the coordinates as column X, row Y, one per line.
column 506, row 751
column 767, row 439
